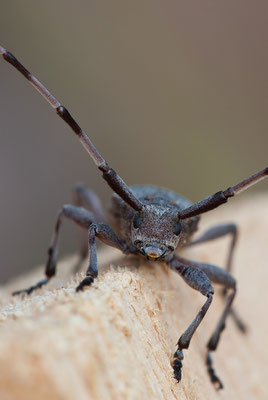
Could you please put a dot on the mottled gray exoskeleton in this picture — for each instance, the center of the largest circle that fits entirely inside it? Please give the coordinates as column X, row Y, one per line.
column 149, row 221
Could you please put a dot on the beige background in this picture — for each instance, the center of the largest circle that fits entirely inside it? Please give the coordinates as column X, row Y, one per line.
column 172, row 93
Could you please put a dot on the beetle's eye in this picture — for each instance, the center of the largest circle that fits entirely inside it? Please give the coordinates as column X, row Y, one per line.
column 177, row 229
column 136, row 221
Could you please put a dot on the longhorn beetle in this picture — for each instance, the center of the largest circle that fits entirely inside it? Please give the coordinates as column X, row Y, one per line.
column 152, row 222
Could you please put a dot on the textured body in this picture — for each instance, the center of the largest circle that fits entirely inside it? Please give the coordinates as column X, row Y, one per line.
column 165, row 201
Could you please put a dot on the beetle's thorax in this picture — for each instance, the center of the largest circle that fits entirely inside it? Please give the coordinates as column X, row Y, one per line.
column 159, row 230
column 153, row 231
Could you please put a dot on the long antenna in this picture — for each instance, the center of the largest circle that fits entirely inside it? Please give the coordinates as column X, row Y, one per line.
column 221, row 197
column 111, row 177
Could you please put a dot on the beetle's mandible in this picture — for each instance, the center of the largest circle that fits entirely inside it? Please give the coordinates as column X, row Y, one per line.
column 152, row 222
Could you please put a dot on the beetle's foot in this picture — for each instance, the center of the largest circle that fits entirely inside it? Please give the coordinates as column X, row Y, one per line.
column 85, row 282
column 211, row 371
column 177, row 364
column 31, row 288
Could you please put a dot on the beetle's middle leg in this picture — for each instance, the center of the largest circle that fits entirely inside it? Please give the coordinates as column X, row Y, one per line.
column 217, row 232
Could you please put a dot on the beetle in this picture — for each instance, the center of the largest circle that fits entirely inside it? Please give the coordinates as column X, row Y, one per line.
column 151, row 222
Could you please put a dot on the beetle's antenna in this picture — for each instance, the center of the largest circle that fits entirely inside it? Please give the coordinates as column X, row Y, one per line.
column 111, row 177
column 215, row 200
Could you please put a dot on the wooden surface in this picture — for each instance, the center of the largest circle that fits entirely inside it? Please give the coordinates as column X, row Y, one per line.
column 116, row 339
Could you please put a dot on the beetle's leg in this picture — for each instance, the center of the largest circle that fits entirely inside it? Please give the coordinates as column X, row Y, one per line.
column 111, row 177
column 106, row 234
column 217, row 232
column 214, row 340
column 223, row 277
column 222, row 197
column 78, row 214
column 214, row 233
column 84, row 197
column 198, row 280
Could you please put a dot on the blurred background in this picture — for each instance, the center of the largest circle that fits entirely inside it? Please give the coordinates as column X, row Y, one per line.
column 172, row 93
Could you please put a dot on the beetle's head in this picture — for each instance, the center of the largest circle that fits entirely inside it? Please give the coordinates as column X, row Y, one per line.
column 156, row 232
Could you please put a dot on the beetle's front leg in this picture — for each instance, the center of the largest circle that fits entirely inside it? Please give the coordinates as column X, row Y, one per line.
column 87, row 220
column 222, row 277
column 198, row 280
column 85, row 197
column 106, row 234
column 213, row 233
